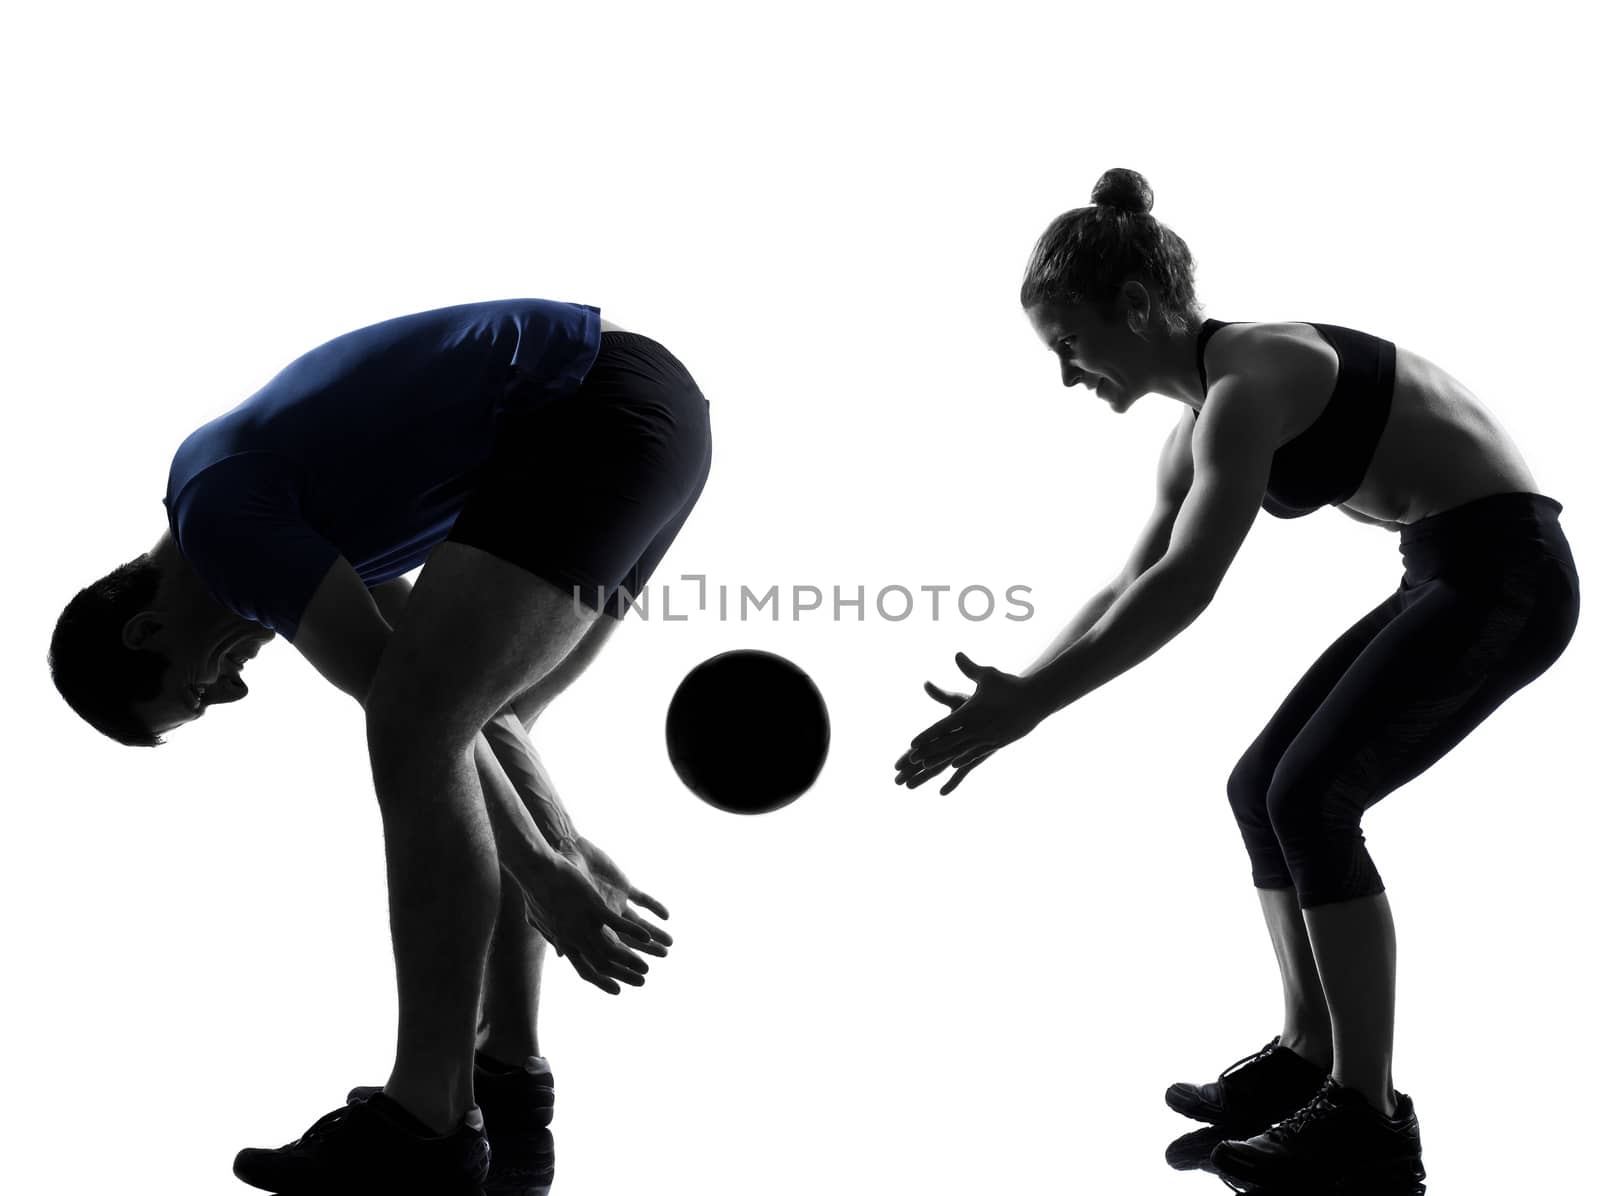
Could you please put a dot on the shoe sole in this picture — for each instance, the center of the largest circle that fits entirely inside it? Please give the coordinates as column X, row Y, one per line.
column 1244, row 1174
column 265, row 1169
column 461, row 1187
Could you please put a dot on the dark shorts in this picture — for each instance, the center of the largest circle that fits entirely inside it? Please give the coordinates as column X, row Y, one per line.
column 1487, row 602
column 588, row 490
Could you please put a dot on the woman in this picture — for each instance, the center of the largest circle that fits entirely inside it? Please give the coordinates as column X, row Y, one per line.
column 1291, row 417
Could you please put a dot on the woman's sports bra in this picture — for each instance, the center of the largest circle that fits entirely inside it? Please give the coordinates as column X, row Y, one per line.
column 1325, row 464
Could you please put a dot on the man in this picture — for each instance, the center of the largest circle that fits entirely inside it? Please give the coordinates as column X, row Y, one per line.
column 539, row 460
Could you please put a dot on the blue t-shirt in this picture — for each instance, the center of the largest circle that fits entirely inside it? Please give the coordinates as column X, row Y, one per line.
column 364, row 448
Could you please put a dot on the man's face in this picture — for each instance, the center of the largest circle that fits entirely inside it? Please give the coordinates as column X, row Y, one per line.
column 202, row 671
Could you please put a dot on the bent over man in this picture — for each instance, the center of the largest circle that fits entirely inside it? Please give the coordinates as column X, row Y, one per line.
column 536, row 461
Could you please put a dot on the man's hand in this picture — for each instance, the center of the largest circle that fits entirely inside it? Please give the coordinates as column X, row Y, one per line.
column 1001, row 710
column 569, row 911
column 617, row 891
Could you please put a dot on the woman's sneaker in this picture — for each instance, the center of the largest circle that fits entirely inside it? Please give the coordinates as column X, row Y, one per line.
column 1254, row 1093
column 1337, row 1143
column 372, row 1145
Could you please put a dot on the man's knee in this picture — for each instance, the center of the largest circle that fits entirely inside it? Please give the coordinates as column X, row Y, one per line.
column 415, row 699
column 406, row 734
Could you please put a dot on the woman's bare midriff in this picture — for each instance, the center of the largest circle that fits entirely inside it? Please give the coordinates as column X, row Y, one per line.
column 1440, row 448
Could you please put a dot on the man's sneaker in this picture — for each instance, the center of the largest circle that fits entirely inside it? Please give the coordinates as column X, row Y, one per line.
column 1337, row 1143
column 517, row 1102
column 1253, row 1093
column 373, row 1145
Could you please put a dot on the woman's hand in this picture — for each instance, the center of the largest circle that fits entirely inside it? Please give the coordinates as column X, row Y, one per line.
column 568, row 909
column 1000, row 710
column 911, row 775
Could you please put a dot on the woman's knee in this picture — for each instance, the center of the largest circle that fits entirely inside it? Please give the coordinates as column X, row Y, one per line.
column 1297, row 809
column 1248, row 784
column 1320, row 836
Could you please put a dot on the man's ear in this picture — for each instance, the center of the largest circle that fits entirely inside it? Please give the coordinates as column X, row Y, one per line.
column 143, row 631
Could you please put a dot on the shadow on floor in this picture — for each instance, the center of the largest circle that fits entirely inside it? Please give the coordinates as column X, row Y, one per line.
column 1192, row 1152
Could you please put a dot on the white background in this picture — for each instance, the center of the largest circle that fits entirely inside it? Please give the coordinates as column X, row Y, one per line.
column 825, row 214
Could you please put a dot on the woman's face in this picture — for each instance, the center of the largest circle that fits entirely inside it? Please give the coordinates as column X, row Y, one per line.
column 1105, row 355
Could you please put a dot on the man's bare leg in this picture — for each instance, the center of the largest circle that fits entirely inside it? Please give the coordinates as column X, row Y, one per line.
column 508, row 1018
column 508, row 1021
column 508, row 1024
column 476, row 632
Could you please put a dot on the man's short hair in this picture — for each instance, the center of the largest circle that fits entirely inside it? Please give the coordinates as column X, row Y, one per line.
column 101, row 677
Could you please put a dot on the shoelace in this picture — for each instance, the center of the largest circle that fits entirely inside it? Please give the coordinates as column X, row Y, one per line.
column 322, row 1127
column 1249, row 1059
column 1321, row 1106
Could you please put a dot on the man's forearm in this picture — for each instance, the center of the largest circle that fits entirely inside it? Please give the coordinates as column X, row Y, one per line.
column 526, row 772
column 518, row 837
column 1075, row 630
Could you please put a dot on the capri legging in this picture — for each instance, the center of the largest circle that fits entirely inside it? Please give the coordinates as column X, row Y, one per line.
column 587, row 490
column 1488, row 601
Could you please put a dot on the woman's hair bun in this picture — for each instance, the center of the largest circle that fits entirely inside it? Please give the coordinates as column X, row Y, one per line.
column 1124, row 191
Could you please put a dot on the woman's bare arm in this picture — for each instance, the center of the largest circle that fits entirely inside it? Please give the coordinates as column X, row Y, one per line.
column 1174, row 476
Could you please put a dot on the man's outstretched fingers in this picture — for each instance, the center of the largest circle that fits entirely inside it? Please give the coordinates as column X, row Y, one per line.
column 649, row 902
column 634, row 929
column 617, row 955
column 603, row 980
column 587, row 971
column 651, row 948
column 630, row 978
column 627, row 929
column 616, row 947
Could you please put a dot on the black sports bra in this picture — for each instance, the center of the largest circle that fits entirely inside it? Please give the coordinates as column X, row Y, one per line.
column 1325, row 463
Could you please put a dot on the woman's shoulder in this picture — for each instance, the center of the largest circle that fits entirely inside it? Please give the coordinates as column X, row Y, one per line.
column 1288, row 352
column 1266, row 342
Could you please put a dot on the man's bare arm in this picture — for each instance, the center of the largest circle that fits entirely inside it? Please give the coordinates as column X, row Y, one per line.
column 508, row 739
